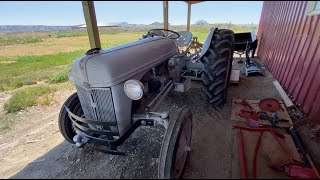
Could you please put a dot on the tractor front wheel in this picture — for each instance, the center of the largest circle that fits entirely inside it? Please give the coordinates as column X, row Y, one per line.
column 64, row 122
column 176, row 145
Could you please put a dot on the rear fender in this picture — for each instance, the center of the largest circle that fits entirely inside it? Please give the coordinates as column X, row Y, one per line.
column 207, row 42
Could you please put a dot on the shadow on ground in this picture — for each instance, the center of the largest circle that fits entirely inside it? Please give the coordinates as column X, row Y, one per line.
column 210, row 157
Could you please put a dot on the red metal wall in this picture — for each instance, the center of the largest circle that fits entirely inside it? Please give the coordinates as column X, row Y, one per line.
column 289, row 46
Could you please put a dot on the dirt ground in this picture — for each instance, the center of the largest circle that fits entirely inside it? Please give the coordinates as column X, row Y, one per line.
column 36, row 149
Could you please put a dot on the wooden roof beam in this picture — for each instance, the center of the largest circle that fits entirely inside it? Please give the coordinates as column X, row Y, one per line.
column 193, row 2
column 189, row 17
column 91, row 22
column 165, row 14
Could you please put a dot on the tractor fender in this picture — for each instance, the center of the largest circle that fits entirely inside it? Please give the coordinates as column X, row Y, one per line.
column 207, row 42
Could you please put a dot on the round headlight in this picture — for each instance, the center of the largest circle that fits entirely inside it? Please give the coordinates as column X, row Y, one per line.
column 133, row 89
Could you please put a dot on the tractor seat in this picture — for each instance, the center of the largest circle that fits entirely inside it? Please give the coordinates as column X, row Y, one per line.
column 184, row 39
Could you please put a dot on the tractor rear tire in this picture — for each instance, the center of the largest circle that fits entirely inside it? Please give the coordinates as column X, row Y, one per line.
column 64, row 122
column 217, row 63
column 231, row 38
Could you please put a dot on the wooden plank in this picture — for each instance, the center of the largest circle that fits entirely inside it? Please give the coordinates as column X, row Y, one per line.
column 235, row 76
column 165, row 15
column 269, row 151
column 236, row 107
column 91, row 22
column 189, row 17
column 283, row 94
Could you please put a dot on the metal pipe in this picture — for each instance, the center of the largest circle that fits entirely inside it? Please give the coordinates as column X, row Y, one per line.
column 159, row 98
column 299, row 145
column 162, row 97
column 313, row 166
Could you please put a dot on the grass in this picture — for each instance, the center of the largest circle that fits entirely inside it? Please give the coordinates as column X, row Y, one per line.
column 117, row 39
column 29, row 69
column 17, row 40
column 64, row 86
column 29, row 96
column 6, row 122
column 58, row 77
column 70, row 34
column 23, row 38
column 44, row 100
column 18, row 71
column 31, row 37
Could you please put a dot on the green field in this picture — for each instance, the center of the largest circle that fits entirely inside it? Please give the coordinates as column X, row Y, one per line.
column 33, row 64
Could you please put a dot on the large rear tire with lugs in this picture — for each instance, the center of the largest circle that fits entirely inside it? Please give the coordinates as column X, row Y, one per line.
column 217, row 63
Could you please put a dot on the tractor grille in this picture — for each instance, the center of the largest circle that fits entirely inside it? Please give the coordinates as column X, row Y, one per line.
column 97, row 105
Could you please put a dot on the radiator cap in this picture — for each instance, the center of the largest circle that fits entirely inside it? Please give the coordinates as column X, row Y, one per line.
column 93, row 51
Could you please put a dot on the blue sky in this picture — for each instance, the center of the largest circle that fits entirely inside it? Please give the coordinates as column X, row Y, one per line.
column 138, row 12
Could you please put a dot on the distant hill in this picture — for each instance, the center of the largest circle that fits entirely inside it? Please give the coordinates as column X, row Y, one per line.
column 31, row 28
column 28, row 28
column 37, row 28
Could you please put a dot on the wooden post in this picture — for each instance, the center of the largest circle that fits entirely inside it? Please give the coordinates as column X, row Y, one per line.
column 91, row 22
column 189, row 16
column 165, row 15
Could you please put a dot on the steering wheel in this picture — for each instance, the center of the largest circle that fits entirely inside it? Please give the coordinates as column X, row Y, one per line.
column 163, row 32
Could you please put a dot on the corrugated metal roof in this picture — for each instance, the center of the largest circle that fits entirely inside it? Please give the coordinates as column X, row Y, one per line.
column 122, row 24
column 99, row 25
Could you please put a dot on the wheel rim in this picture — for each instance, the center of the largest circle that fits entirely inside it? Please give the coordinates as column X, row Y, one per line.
column 182, row 147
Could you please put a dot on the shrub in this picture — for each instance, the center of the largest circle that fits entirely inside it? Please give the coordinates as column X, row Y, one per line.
column 58, row 77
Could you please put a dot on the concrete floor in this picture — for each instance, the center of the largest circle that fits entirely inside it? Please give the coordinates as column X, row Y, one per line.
column 210, row 157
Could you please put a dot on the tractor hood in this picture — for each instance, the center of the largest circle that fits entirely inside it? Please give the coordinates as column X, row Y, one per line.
column 118, row 64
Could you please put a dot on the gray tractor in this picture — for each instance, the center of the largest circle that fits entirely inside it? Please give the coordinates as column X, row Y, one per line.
column 121, row 88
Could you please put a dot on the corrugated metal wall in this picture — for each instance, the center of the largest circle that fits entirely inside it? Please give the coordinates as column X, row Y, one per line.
column 289, row 46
